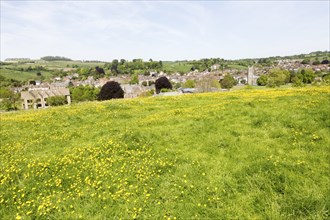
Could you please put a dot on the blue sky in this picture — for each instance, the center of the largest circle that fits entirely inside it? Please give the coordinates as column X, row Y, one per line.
column 168, row 30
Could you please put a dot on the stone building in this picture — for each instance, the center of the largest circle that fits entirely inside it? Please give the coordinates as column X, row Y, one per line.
column 133, row 91
column 37, row 97
column 250, row 75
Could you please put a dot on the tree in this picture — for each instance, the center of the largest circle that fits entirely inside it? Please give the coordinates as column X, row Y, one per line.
column 134, row 79
column 84, row 93
column 227, row 82
column 305, row 61
column 325, row 62
column 162, row 83
column 114, row 66
column 8, row 99
column 111, row 90
column 278, row 77
column 100, row 70
column 262, row 80
column 307, row 75
column 56, row 100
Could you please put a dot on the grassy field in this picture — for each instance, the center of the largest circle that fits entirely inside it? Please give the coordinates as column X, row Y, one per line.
column 176, row 66
column 23, row 75
column 11, row 71
column 247, row 154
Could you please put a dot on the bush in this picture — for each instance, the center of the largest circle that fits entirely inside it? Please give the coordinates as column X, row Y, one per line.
column 189, row 84
column 278, row 77
column 262, row 80
column 56, row 100
column 307, row 75
column 165, row 90
column 227, row 82
column 162, row 83
column 134, row 79
column 305, row 61
column 297, row 82
column 84, row 93
column 111, row 90
column 147, row 93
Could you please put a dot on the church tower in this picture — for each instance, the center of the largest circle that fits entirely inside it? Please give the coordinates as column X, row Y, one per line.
column 250, row 75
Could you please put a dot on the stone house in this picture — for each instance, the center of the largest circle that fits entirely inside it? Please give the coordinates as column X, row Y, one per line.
column 133, row 91
column 37, row 97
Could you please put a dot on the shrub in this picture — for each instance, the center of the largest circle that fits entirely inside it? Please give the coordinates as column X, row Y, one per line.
column 316, row 62
column 307, row 75
column 162, row 83
column 262, row 80
column 56, row 100
column 147, row 93
column 278, row 77
column 84, row 93
column 145, row 83
column 165, row 90
column 189, row 84
column 111, row 90
column 227, row 82
column 305, row 61
column 297, row 82
column 134, row 79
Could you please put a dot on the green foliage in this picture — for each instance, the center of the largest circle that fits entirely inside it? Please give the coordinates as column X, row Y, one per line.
column 305, row 61
column 8, row 99
column 148, row 93
column 227, row 82
column 134, row 79
column 307, row 75
column 326, row 79
column 262, row 80
column 278, row 77
column 189, row 84
column 166, row 90
column 176, row 85
column 84, row 93
column 215, row 84
column 56, row 100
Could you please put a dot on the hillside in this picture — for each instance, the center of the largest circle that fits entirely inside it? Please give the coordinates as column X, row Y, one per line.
column 247, row 154
column 26, row 69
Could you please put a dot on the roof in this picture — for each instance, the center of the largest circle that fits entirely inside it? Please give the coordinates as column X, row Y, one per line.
column 44, row 93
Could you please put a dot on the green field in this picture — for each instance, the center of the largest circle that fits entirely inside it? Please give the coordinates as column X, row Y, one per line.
column 12, row 70
column 246, row 154
column 178, row 66
column 23, row 75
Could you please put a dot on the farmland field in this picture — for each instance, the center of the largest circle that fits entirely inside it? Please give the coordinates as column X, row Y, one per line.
column 245, row 154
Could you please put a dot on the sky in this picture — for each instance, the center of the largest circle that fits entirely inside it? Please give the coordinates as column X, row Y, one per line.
column 163, row 30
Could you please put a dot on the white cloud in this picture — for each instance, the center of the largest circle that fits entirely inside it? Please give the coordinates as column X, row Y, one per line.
column 161, row 30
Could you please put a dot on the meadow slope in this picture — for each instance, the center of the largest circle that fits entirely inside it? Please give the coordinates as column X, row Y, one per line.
column 248, row 154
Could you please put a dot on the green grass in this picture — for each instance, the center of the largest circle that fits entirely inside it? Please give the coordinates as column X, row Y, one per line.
column 247, row 154
column 23, row 75
column 176, row 66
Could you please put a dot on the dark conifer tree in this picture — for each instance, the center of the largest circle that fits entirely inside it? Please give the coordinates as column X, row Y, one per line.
column 162, row 83
column 111, row 90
